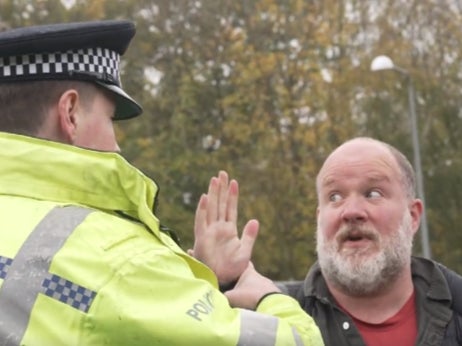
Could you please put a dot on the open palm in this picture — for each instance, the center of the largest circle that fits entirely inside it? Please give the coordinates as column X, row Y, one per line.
column 217, row 242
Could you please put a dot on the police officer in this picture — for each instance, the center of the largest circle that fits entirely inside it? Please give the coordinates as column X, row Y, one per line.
column 83, row 259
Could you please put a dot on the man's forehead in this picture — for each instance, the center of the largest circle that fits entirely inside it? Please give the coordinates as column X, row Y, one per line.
column 331, row 178
column 361, row 150
column 361, row 145
column 367, row 159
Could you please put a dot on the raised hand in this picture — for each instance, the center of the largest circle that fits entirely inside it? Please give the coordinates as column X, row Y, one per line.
column 217, row 242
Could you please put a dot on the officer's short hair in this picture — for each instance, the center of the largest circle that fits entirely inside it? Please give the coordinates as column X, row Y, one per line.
column 24, row 106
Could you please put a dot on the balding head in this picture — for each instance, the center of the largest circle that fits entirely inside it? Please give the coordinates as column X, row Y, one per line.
column 361, row 148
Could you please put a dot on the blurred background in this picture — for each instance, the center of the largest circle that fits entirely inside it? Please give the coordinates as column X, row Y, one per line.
column 265, row 89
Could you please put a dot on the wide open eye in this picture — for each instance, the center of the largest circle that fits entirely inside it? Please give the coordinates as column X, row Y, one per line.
column 374, row 193
column 335, row 197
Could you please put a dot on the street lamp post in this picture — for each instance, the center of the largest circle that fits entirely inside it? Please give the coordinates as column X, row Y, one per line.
column 383, row 62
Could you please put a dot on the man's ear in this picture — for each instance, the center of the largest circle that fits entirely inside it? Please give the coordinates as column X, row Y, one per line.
column 68, row 106
column 416, row 210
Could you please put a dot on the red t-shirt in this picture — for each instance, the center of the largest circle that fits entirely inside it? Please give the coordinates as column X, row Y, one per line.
column 398, row 330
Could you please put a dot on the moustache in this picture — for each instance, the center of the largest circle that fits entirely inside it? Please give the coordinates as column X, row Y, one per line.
column 353, row 232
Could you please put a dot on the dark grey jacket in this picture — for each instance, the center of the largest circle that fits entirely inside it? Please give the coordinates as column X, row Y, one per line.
column 438, row 301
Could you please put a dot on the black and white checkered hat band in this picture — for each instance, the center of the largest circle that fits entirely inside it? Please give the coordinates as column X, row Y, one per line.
column 99, row 63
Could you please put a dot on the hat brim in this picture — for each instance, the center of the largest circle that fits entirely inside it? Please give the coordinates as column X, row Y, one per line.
column 126, row 107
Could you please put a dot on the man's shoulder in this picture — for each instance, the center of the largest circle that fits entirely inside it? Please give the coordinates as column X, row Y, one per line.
column 435, row 273
column 290, row 287
column 454, row 281
column 308, row 291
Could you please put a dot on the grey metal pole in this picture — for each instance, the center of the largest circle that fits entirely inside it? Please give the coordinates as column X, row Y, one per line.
column 426, row 251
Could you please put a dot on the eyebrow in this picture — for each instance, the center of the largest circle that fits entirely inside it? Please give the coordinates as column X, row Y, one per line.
column 369, row 178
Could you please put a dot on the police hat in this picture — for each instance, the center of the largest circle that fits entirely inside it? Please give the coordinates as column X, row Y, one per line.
column 86, row 51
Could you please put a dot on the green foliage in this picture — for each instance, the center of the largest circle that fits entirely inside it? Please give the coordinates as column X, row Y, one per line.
column 265, row 89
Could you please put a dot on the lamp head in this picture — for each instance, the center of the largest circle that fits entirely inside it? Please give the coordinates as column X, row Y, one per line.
column 382, row 62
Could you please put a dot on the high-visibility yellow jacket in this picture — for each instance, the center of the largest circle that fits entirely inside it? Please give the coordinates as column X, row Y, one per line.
column 82, row 262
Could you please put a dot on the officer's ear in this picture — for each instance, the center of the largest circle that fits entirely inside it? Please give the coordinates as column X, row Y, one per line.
column 68, row 114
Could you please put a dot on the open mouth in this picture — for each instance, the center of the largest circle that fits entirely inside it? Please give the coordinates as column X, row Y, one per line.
column 357, row 237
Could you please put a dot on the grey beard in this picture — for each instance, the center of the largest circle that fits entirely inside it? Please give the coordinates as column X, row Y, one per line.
column 358, row 275
column 360, row 279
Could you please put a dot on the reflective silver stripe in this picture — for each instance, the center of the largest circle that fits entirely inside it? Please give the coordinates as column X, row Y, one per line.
column 297, row 338
column 30, row 266
column 257, row 329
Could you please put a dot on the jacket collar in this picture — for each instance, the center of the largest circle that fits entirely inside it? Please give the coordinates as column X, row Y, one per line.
column 46, row 170
column 427, row 274
column 315, row 285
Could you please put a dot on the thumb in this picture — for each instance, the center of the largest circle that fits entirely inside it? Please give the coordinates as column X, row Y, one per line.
column 249, row 235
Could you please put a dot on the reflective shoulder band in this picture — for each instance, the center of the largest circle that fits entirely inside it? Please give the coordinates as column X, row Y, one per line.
column 257, row 329
column 29, row 268
column 297, row 338
column 261, row 330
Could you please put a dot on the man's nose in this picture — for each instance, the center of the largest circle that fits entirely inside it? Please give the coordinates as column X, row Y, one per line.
column 354, row 209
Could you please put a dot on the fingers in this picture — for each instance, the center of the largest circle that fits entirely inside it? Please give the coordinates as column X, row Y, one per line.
column 233, row 298
column 217, row 208
column 212, row 195
column 200, row 220
column 244, row 294
column 249, row 235
column 222, row 195
column 233, row 196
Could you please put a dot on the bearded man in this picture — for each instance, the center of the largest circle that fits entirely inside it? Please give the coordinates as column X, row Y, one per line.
column 367, row 288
